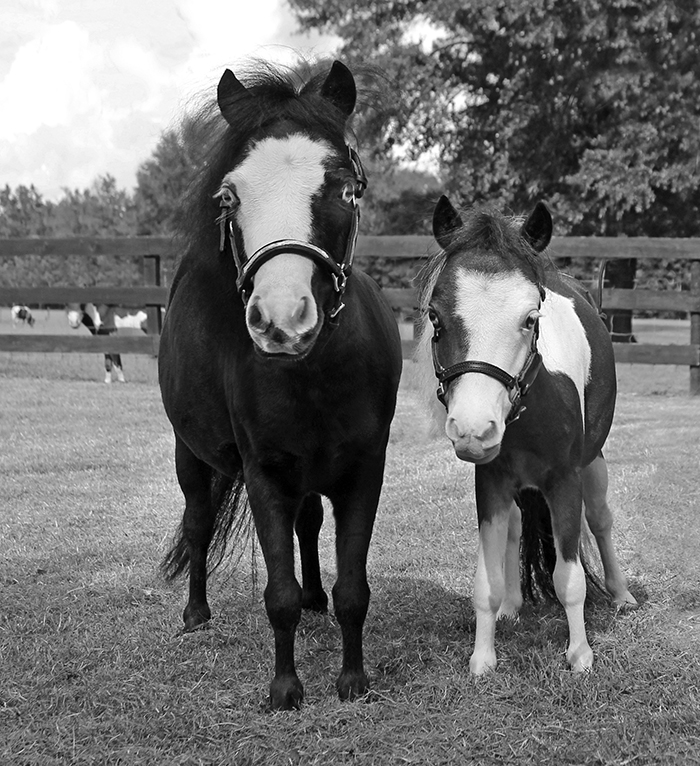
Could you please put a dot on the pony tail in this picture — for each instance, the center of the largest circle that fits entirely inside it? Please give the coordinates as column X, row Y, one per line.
column 538, row 554
column 232, row 520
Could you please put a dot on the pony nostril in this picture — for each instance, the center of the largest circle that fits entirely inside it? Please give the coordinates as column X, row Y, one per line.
column 255, row 318
column 303, row 312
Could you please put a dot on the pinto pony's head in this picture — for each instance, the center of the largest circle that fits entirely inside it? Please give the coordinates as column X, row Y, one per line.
column 285, row 184
column 481, row 299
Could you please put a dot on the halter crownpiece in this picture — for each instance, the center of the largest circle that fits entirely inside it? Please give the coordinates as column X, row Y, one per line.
column 340, row 272
column 517, row 385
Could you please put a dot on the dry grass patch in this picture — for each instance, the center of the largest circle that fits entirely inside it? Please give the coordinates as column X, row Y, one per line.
column 95, row 670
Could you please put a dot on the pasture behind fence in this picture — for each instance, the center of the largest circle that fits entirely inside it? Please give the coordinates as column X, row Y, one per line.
column 152, row 294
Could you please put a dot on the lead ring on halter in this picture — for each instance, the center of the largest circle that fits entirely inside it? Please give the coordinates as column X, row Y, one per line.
column 517, row 385
column 340, row 272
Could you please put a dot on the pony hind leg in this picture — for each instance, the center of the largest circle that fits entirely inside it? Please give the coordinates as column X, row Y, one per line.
column 513, row 600
column 307, row 528
column 191, row 548
column 600, row 521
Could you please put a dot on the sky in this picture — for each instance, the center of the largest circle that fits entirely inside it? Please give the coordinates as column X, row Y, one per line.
column 88, row 86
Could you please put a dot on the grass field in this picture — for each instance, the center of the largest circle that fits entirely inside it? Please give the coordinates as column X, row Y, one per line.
column 95, row 670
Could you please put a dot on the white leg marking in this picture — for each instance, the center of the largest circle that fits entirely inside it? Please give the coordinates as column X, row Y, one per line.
column 489, row 591
column 600, row 521
column 570, row 587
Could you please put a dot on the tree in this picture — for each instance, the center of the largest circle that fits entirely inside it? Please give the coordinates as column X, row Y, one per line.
column 103, row 210
column 592, row 105
column 166, row 175
column 24, row 213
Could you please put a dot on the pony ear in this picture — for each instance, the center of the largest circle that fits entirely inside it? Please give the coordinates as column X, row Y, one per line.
column 339, row 88
column 230, row 91
column 537, row 230
column 446, row 221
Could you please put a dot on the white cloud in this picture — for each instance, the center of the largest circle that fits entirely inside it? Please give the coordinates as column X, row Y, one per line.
column 87, row 88
column 49, row 82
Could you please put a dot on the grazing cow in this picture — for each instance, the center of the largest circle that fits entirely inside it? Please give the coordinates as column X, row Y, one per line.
column 22, row 314
column 105, row 320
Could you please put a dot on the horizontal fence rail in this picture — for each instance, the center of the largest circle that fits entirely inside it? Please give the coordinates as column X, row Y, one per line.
column 153, row 296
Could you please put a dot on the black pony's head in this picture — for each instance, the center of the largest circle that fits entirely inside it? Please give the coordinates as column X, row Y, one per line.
column 282, row 185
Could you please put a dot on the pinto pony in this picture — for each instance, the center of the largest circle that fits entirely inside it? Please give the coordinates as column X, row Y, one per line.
column 526, row 377
column 106, row 320
column 279, row 364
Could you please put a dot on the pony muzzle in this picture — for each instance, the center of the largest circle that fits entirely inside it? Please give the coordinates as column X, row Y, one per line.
column 282, row 314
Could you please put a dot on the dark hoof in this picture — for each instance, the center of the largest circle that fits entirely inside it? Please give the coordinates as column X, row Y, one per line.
column 315, row 601
column 194, row 616
column 286, row 693
column 350, row 686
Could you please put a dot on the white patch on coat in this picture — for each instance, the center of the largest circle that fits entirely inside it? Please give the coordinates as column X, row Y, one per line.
column 563, row 342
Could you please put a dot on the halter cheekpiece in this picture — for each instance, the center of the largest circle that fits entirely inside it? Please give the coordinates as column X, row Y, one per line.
column 516, row 385
column 247, row 268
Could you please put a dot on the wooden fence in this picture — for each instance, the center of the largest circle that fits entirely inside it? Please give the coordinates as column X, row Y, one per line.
column 153, row 295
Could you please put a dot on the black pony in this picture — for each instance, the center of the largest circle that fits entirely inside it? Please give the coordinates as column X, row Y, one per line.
column 278, row 369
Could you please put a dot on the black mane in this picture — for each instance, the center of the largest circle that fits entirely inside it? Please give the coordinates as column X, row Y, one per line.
column 494, row 244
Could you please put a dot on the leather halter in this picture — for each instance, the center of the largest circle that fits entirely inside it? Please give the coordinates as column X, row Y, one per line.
column 517, row 385
column 248, row 268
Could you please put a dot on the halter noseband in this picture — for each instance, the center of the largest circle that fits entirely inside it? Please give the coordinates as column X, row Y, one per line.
column 248, row 268
column 517, row 385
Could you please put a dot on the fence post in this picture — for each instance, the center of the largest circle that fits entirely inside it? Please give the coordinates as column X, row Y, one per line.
column 695, row 326
column 151, row 278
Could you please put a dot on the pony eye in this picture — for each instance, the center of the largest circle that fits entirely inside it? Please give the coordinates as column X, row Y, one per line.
column 531, row 319
column 348, row 193
column 228, row 197
column 434, row 318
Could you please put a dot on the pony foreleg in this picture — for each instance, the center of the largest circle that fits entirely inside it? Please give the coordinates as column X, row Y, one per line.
column 489, row 590
column 570, row 586
column 513, row 594
column 274, row 521
column 307, row 527
column 565, row 502
column 355, row 508
column 600, row 521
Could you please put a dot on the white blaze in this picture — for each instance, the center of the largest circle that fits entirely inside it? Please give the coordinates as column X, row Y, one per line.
column 493, row 308
column 275, row 185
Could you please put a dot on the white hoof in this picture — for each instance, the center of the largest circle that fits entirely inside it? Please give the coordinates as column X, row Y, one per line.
column 581, row 658
column 482, row 663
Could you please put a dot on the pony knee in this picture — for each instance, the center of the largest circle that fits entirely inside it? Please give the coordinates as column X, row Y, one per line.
column 283, row 605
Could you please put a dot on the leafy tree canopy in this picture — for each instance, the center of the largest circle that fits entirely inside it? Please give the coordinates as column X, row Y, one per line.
column 593, row 105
